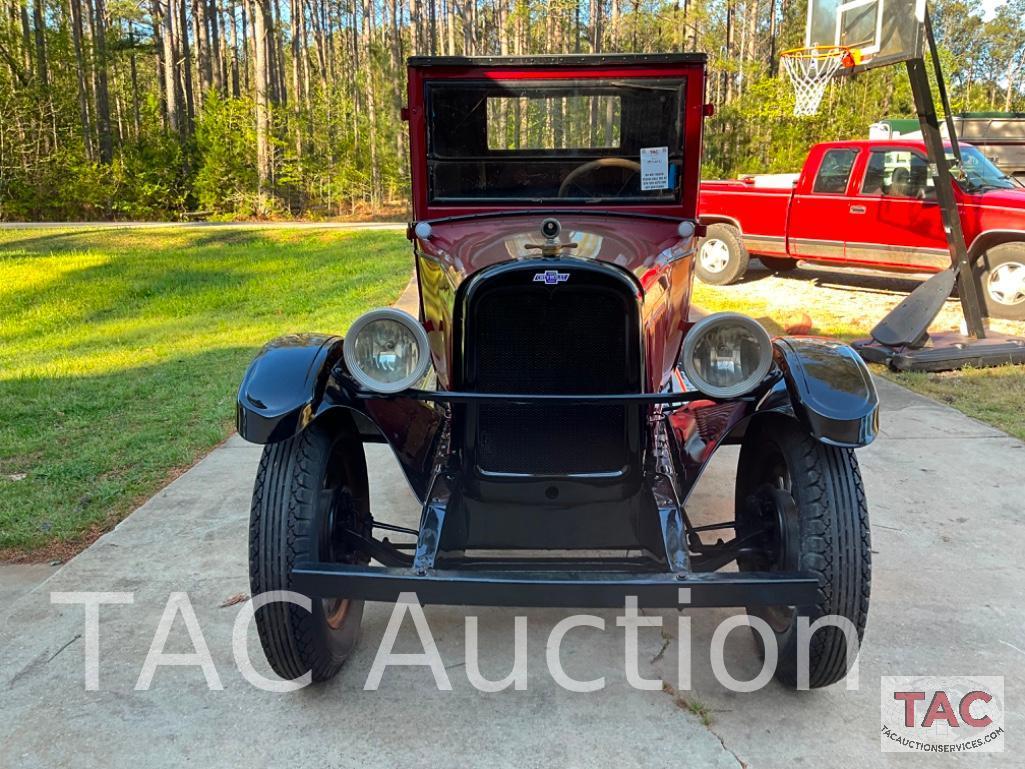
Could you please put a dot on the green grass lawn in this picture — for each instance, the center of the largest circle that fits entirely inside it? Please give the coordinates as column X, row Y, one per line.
column 121, row 351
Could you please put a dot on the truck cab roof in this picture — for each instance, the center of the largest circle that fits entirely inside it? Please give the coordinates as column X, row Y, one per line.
column 872, row 144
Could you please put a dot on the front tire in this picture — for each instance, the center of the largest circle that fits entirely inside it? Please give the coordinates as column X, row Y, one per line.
column 308, row 490
column 722, row 258
column 1000, row 273
column 824, row 531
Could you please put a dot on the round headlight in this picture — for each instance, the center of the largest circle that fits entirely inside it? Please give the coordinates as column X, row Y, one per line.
column 386, row 350
column 726, row 354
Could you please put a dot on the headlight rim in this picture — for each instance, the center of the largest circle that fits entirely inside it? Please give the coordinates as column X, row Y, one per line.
column 361, row 376
column 694, row 336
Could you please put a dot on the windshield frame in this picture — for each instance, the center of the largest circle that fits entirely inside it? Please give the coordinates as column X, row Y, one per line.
column 585, row 67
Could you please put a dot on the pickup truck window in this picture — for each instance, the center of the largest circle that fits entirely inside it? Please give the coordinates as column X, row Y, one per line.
column 834, row 171
column 898, row 174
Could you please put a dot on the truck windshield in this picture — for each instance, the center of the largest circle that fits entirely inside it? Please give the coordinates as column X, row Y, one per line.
column 555, row 141
column 977, row 173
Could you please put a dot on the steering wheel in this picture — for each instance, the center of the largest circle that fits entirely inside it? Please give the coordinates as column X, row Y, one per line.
column 593, row 165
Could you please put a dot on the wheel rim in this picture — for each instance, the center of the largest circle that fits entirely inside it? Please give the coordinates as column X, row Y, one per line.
column 784, row 518
column 1006, row 283
column 335, row 611
column 338, row 514
column 715, row 255
column 779, row 542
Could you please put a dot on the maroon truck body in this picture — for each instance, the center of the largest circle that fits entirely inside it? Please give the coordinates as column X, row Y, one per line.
column 867, row 204
column 551, row 404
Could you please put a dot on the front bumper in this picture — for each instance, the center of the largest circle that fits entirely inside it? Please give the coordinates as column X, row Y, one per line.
column 556, row 588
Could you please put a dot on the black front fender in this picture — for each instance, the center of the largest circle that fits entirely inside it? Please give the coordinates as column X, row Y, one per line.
column 297, row 379
column 283, row 387
column 827, row 386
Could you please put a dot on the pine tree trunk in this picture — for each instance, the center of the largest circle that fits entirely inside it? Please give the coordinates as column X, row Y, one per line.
column 1013, row 70
column 134, row 71
column 246, row 51
column 99, row 25
column 320, row 44
column 432, row 4
column 26, row 37
column 83, row 76
column 42, row 68
column 181, row 32
column 172, row 88
column 236, row 90
column 261, row 77
column 202, row 42
column 295, row 22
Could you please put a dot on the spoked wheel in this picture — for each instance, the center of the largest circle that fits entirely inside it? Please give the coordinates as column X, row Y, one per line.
column 804, row 505
column 309, row 491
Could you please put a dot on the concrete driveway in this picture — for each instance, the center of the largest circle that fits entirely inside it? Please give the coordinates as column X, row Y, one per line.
column 946, row 496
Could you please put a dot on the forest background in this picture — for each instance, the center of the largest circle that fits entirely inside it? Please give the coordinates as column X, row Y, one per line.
column 172, row 109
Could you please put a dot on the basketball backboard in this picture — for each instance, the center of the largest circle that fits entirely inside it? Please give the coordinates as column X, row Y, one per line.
column 879, row 32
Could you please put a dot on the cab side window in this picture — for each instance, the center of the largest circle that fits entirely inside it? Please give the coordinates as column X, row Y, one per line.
column 834, row 171
column 898, row 174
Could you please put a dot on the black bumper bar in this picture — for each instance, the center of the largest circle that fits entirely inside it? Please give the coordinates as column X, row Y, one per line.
column 567, row 589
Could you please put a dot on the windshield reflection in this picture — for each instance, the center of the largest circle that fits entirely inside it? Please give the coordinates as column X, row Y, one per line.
column 977, row 174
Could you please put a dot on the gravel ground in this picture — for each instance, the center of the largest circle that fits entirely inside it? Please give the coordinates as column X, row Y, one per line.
column 838, row 302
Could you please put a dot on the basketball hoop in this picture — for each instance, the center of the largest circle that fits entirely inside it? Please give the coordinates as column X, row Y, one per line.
column 810, row 70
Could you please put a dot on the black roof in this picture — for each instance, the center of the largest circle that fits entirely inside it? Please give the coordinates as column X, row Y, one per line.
column 577, row 59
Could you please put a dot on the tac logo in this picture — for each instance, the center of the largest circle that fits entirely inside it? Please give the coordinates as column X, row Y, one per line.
column 932, row 714
column 551, row 277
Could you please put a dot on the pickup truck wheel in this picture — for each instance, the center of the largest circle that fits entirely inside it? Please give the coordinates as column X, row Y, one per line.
column 778, row 263
column 309, row 490
column 804, row 503
column 722, row 258
column 1001, row 276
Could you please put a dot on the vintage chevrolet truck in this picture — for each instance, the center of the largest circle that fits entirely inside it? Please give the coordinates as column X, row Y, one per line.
column 868, row 204
column 552, row 404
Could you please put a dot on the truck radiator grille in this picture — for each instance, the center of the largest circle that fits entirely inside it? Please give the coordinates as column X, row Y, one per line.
column 577, row 337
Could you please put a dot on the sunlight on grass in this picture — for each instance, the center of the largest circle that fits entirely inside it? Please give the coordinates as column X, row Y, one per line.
column 121, row 350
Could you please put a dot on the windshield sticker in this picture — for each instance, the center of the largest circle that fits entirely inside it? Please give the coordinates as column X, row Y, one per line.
column 654, row 168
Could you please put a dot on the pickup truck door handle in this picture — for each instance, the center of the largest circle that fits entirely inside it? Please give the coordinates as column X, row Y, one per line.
column 857, row 209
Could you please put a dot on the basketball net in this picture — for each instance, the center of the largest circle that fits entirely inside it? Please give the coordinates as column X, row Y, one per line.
column 810, row 70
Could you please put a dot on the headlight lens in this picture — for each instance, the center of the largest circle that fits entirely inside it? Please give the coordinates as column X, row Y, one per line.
column 386, row 350
column 726, row 354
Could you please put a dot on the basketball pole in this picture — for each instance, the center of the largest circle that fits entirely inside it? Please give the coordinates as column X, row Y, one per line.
column 968, row 291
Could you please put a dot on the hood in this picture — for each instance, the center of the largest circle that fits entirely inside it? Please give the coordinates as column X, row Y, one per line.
column 1014, row 199
column 637, row 243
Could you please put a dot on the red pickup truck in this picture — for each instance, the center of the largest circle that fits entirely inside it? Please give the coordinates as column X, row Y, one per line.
column 868, row 204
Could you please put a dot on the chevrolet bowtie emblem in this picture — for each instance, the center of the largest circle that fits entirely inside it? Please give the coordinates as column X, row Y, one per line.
column 551, row 277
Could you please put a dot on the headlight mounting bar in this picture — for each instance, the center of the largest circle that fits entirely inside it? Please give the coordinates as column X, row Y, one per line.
column 444, row 396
